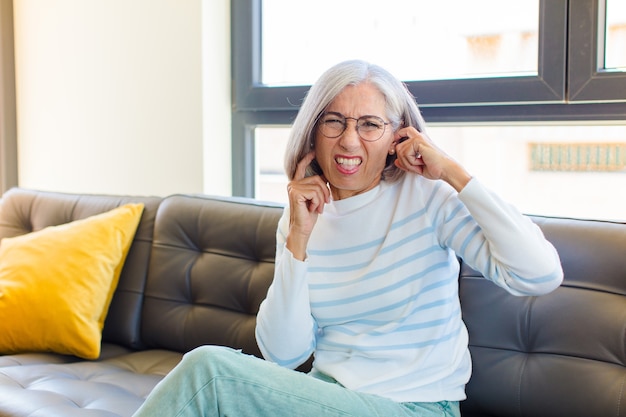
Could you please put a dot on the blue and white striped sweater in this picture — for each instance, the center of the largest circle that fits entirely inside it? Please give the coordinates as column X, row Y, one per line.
column 377, row 296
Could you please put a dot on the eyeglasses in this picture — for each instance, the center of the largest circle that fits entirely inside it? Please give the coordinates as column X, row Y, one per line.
column 370, row 128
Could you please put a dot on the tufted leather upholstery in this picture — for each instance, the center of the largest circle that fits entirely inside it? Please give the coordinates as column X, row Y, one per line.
column 23, row 211
column 211, row 265
column 196, row 274
column 111, row 387
column 200, row 266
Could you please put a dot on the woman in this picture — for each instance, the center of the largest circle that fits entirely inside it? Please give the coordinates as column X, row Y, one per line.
column 366, row 270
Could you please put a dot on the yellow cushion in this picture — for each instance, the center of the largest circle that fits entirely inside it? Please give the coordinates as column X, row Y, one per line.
column 56, row 284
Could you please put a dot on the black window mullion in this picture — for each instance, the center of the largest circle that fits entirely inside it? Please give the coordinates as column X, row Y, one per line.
column 548, row 86
column 243, row 146
column 588, row 81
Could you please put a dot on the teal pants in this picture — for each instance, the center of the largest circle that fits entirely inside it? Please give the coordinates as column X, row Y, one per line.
column 218, row 381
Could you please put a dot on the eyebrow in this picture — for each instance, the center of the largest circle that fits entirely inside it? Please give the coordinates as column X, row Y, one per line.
column 344, row 116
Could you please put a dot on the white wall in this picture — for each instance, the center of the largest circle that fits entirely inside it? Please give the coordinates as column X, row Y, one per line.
column 110, row 95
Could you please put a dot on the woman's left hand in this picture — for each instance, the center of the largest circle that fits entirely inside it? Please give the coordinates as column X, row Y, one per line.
column 418, row 154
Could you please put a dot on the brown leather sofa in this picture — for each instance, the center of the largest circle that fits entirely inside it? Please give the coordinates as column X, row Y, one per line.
column 199, row 267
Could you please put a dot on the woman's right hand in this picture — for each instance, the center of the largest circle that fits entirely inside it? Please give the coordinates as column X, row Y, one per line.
column 307, row 196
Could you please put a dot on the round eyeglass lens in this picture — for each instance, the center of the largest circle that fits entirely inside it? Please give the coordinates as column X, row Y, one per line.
column 369, row 128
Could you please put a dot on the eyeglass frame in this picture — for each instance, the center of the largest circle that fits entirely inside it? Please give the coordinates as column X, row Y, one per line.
column 356, row 126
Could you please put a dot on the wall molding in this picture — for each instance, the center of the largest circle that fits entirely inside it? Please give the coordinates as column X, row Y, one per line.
column 8, row 119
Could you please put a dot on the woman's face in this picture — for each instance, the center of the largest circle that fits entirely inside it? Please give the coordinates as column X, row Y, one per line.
column 351, row 165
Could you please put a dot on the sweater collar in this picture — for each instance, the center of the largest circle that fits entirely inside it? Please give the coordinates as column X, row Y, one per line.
column 347, row 205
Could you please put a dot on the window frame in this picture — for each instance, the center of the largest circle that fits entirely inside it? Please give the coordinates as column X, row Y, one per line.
column 547, row 86
column 569, row 86
column 588, row 81
column 8, row 118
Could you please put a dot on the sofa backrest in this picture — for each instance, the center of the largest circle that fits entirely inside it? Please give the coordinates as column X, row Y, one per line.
column 561, row 354
column 200, row 266
column 211, row 265
column 23, row 211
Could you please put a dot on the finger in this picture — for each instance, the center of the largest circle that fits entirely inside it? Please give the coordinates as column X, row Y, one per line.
column 322, row 194
column 311, row 192
column 415, row 168
column 416, row 157
column 404, row 133
column 399, row 164
column 408, row 153
column 316, row 204
column 303, row 164
column 398, row 138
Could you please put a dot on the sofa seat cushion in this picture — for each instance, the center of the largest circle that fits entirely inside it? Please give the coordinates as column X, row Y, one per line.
column 106, row 388
column 107, row 351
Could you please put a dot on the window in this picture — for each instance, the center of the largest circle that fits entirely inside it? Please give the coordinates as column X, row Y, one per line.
column 510, row 124
column 615, row 35
column 481, row 46
column 547, row 169
column 592, row 41
column 536, row 74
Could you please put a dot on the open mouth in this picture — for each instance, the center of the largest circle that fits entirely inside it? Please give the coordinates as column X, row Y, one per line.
column 348, row 163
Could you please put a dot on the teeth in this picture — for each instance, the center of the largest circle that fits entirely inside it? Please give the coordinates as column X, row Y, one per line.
column 349, row 161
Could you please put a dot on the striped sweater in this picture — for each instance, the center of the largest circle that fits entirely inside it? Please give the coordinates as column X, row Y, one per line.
column 377, row 297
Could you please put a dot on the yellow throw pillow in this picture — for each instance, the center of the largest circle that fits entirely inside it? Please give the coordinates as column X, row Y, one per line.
column 56, row 284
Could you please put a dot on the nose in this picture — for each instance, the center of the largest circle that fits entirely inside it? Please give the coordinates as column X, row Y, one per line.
column 350, row 138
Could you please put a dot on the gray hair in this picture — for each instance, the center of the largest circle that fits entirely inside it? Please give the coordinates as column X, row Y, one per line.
column 401, row 109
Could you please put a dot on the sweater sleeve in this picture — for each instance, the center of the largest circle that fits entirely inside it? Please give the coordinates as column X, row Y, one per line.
column 285, row 328
column 504, row 245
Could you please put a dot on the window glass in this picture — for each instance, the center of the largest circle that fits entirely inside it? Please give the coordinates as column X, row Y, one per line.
column 615, row 36
column 557, row 170
column 270, row 181
column 479, row 38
